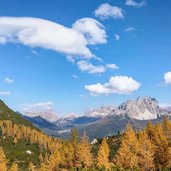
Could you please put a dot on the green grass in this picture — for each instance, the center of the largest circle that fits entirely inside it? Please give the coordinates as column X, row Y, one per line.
column 113, row 142
column 7, row 114
column 17, row 152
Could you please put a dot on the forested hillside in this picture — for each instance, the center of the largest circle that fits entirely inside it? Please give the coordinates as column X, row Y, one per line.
column 7, row 114
column 24, row 148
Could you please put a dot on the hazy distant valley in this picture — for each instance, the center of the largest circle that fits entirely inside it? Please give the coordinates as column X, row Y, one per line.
column 105, row 121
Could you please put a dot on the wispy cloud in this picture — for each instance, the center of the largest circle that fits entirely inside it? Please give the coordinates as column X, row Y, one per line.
column 8, row 80
column 167, row 78
column 116, row 85
column 34, row 52
column 75, row 76
column 40, row 106
column 86, row 66
column 90, row 68
column 106, row 11
column 2, row 40
column 83, row 96
column 71, row 58
column 5, row 93
column 43, row 109
column 117, row 37
column 165, row 105
column 112, row 66
column 129, row 29
column 135, row 4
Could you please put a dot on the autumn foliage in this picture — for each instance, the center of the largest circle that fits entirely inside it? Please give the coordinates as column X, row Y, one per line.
column 145, row 150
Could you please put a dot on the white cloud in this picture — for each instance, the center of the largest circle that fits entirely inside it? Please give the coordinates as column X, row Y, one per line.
column 41, row 106
column 71, row 58
column 45, row 104
column 165, row 105
column 35, row 32
column 167, row 78
column 92, row 30
column 90, row 68
column 135, row 4
column 43, row 109
column 5, row 93
column 75, row 76
column 2, row 40
column 34, row 52
column 116, row 85
column 86, row 66
column 8, row 80
column 83, row 96
column 112, row 66
column 106, row 11
column 129, row 29
column 117, row 37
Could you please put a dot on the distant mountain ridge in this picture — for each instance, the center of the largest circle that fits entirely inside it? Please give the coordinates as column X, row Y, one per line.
column 107, row 120
column 142, row 108
column 48, row 115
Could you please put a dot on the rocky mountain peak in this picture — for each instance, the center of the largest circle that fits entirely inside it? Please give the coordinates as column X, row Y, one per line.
column 48, row 115
column 142, row 108
column 102, row 111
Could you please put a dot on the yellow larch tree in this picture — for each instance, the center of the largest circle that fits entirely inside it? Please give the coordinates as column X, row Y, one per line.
column 126, row 157
column 167, row 128
column 103, row 155
column 145, row 152
column 67, row 154
column 46, row 158
column 162, row 154
column 86, row 157
column 40, row 158
column 43, row 167
column 149, row 130
column 15, row 141
column 3, row 161
column 54, row 161
column 14, row 167
column 76, row 148
column 31, row 167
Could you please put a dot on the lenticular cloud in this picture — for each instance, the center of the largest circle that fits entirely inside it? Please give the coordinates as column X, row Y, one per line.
column 35, row 32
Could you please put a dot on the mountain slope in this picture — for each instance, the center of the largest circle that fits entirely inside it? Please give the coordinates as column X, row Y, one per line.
column 48, row 115
column 142, row 108
column 112, row 126
column 107, row 120
column 7, row 114
column 137, row 112
column 40, row 122
column 16, row 146
column 62, row 126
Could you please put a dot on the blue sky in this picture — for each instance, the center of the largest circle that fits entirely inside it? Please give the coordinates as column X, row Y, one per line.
column 121, row 50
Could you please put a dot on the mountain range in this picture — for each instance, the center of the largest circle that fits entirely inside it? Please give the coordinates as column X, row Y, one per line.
column 107, row 120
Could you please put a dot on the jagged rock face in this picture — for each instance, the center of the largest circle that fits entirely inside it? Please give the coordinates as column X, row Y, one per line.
column 166, row 108
column 169, row 108
column 144, row 108
column 48, row 115
column 65, row 120
column 102, row 112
